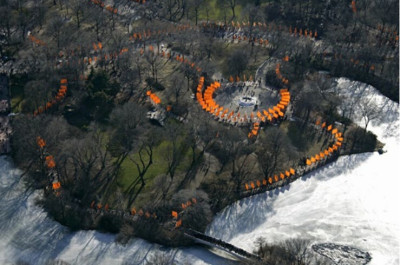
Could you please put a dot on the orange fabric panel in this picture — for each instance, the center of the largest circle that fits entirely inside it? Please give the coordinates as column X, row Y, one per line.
column 174, row 214
column 252, row 185
column 56, row 185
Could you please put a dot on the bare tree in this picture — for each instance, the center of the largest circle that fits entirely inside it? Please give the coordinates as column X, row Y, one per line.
column 174, row 9
column 143, row 160
column 176, row 147
column 129, row 123
column 196, row 5
column 307, row 101
column 55, row 28
column 99, row 20
column 271, row 151
column 37, row 93
column 238, row 62
column 77, row 7
column 232, row 5
column 154, row 62
column 369, row 110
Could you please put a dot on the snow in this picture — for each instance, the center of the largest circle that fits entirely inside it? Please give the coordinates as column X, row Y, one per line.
column 352, row 201
column 28, row 235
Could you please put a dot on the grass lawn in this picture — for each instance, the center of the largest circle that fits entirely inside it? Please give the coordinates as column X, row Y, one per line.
column 17, row 84
column 216, row 14
column 159, row 166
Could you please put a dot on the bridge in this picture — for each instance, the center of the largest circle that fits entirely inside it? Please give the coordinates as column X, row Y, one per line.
column 206, row 240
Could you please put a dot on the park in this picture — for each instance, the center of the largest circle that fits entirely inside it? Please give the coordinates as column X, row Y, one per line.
column 147, row 119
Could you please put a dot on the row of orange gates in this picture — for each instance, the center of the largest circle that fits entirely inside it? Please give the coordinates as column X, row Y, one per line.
column 146, row 34
column 207, row 102
column 278, row 111
column 263, row 26
column 330, row 150
column 49, row 163
column 355, row 62
column 313, row 160
column 146, row 214
column 62, row 91
column 273, row 114
column 179, row 57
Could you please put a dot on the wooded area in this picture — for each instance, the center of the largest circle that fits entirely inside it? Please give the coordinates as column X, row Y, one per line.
column 128, row 113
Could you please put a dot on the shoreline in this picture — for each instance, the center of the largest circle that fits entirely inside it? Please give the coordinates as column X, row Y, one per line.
column 5, row 109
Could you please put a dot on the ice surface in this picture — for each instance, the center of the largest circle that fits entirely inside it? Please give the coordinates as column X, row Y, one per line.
column 353, row 201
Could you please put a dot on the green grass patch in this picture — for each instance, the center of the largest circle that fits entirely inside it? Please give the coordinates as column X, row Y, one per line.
column 215, row 13
column 129, row 171
column 17, row 85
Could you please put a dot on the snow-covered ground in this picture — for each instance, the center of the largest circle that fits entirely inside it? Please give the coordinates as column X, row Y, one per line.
column 28, row 235
column 351, row 202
